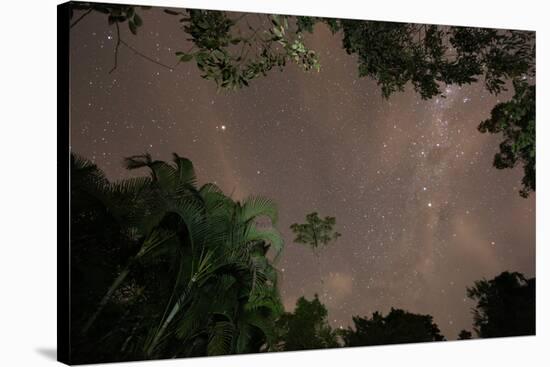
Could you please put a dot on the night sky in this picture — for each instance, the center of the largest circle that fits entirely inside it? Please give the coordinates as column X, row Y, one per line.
column 422, row 211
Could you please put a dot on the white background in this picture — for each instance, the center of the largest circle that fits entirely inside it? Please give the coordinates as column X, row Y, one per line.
column 28, row 183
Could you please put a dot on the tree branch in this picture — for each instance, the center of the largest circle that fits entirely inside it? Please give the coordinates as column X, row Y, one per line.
column 81, row 17
column 118, row 41
column 236, row 20
column 137, row 52
column 148, row 58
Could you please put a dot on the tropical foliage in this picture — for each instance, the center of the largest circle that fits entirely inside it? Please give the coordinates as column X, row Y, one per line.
column 164, row 268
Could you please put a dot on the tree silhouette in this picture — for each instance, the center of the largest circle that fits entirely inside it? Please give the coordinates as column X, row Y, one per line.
column 515, row 119
column 229, row 50
column 307, row 327
column 431, row 56
column 464, row 335
column 315, row 233
column 505, row 305
column 398, row 326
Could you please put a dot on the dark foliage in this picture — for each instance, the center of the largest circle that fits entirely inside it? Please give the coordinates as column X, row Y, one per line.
column 429, row 56
column 515, row 120
column 397, row 327
column 464, row 335
column 115, row 13
column 162, row 268
column 306, row 328
column 505, row 306
column 316, row 232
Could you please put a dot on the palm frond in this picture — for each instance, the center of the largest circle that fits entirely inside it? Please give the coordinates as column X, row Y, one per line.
column 86, row 174
column 185, row 171
column 156, row 239
column 210, row 188
column 138, row 161
column 268, row 235
column 221, row 338
column 129, row 187
column 257, row 206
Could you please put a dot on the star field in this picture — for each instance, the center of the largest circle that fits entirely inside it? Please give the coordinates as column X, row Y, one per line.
column 422, row 211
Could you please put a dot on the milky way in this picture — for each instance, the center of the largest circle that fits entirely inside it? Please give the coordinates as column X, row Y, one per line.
column 422, row 211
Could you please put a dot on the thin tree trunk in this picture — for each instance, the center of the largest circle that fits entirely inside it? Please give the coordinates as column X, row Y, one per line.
column 319, row 267
column 118, row 281
column 166, row 322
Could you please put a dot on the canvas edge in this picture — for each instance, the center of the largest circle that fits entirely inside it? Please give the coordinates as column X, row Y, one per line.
column 63, row 193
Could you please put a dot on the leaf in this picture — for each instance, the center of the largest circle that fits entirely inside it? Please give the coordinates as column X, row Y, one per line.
column 257, row 206
column 137, row 20
column 171, row 12
column 186, row 57
column 132, row 27
column 102, row 9
column 269, row 235
column 277, row 32
column 221, row 337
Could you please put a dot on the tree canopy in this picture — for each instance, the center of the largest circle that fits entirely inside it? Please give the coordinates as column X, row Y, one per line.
column 505, row 305
column 515, row 120
column 307, row 327
column 316, row 232
column 464, row 335
column 397, row 327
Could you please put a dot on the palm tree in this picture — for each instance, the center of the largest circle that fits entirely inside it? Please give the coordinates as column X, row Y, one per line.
column 218, row 290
